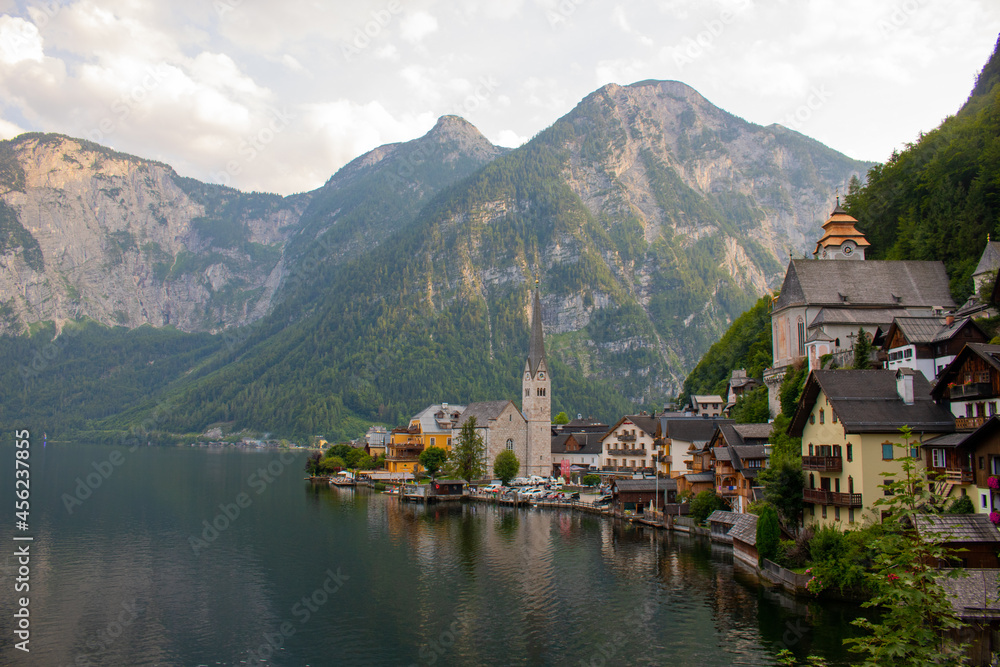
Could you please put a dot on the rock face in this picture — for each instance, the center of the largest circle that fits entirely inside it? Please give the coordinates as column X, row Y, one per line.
column 125, row 241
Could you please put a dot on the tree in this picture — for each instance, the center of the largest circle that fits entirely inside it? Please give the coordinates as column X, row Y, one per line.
column 862, row 350
column 433, row 459
column 768, row 534
column 591, row 480
column 751, row 407
column 332, row 464
column 313, row 464
column 704, row 504
column 506, row 466
column 916, row 612
column 466, row 460
column 783, row 481
column 961, row 505
column 791, row 389
column 561, row 418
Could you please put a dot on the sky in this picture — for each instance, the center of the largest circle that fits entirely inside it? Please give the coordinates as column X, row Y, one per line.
column 276, row 96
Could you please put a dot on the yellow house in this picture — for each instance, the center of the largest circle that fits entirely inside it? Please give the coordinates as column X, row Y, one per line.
column 431, row 427
column 849, row 422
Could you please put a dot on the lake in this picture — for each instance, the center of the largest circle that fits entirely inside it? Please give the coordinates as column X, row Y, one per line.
column 196, row 556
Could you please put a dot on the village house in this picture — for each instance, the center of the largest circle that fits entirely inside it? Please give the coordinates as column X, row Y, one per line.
column 431, row 427
column 738, row 385
column 928, row 344
column 377, row 441
column 580, row 451
column 744, row 537
column 971, row 540
column 822, row 304
column 707, row 406
column 701, row 476
column 970, row 385
column 849, row 422
column 980, row 451
column 681, row 437
column 635, row 495
column 628, row 445
column 740, row 451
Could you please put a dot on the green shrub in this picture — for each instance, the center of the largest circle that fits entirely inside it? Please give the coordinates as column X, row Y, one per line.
column 591, row 480
column 704, row 504
column 768, row 534
column 961, row 505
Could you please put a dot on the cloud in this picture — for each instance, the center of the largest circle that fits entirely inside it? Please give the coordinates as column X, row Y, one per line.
column 509, row 139
column 417, row 25
column 19, row 41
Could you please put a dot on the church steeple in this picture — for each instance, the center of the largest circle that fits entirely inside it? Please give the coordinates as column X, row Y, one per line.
column 536, row 348
column 841, row 239
column 537, row 402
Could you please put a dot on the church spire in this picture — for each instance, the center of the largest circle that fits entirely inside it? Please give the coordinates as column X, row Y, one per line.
column 536, row 348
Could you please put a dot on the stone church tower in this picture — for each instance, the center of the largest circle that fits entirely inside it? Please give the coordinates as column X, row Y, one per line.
column 536, row 403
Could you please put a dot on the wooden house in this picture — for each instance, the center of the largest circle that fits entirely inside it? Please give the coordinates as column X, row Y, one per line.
column 744, row 537
column 721, row 522
column 928, row 344
column 971, row 539
column 740, row 452
column 970, row 385
column 636, row 494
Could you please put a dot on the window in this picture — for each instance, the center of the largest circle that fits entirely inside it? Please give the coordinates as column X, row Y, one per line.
column 836, row 513
column 993, row 408
column 982, row 501
column 822, row 416
column 510, row 443
column 850, row 514
column 836, row 485
column 834, row 416
column 968, row 410
column 824, row 511
column 811, row 449
column 937, row 458
column 812, row 419
column 850, row 485
column 850, row 452
column 527, row 392
column 887, row 451
column 802, row 338
column 981, row 463
column 540, row 391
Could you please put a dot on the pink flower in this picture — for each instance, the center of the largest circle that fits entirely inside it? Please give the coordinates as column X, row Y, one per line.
column 893, row 577
column 993, row 482
column 995, row 517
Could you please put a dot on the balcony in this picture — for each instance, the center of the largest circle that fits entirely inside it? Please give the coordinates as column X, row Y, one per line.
column 969, row 423
column 664, row 458
column 823, row 463
column 823, row 497
column 626, row 437
column 727, row 490
column 971, row 390
column 626, row 452
column 403, row 459
column 953, row 475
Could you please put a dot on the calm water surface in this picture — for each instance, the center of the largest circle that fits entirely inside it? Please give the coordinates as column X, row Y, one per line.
column 310, row 575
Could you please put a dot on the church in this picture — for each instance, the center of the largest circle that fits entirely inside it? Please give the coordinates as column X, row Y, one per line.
column 824, row 301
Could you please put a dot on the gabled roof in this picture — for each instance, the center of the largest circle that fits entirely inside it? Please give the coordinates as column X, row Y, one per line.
column 429, row 422
column 644, row 485
column 706, row 398
column 690, row 429
column 958, row 527
column 590, row 443
column 868, row 402
column 925, row 330
column 695, row 477
column 484, row 411
column 647, row 423
column 973, row 596
column 722, row 516
column 870, row 317
column 868, row 283
column 745, row 528
column 743, row 434
column 721, row 454
column 988, row 353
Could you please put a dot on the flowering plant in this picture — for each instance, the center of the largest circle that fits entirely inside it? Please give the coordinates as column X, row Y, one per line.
column 995, row 517
column 993, row 482
column 892, row 577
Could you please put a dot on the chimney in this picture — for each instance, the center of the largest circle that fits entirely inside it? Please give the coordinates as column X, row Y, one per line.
column 949, row 320
column 904, row 385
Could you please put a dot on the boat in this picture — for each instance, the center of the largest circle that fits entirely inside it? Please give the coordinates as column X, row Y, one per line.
column 343, row 478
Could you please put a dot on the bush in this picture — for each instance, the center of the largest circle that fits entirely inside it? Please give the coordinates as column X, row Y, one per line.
column 591, row 480
column 961, row 505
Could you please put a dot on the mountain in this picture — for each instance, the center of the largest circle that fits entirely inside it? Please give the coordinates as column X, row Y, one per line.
column 91, row 233
column 651, row 218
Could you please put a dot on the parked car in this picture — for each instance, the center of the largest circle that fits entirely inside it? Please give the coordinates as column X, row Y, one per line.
column 603, row 500
column 532, row 494
column 492, row 488
column 519, row 481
